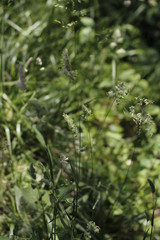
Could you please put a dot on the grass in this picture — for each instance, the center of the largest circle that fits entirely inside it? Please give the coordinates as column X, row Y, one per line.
column 77, row 122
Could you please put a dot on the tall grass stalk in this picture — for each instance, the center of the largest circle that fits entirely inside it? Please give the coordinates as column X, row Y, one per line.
column 153, row 212
column 77, row 158
column 2, row 60
column 114, row 72
column 2, row 50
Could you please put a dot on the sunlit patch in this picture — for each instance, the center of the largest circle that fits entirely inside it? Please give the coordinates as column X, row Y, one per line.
column 129, row 162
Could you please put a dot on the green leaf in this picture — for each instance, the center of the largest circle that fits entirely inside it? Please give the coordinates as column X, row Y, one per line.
column 39, row 136
column 25, row 197
column 151, row 185
column 32, row 171
column 147, row 215
column 87, row 21
column 64, row 192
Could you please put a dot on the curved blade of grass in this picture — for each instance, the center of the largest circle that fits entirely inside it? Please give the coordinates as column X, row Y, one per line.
column 5, row 97
column 8, row 136
column 39, row 137
column 146, row 234
column 19, row 132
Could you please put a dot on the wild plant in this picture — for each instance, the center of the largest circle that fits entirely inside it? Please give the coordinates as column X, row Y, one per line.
column 73, row 150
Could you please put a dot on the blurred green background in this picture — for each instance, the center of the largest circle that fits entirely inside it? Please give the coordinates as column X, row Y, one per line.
column 79, row 115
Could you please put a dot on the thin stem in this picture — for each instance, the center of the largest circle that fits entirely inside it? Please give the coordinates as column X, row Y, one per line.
column 114, row 72
column 55, row 221
column 2, row 61
column 152, row 220
column 91, row 153
column 2, row 47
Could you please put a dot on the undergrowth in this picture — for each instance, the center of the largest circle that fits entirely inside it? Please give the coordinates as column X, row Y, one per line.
column 79, row 135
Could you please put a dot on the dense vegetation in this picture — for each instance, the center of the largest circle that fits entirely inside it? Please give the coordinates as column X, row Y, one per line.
column 79, row 115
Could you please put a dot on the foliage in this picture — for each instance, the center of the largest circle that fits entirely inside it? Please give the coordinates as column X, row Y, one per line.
column 80, row 115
